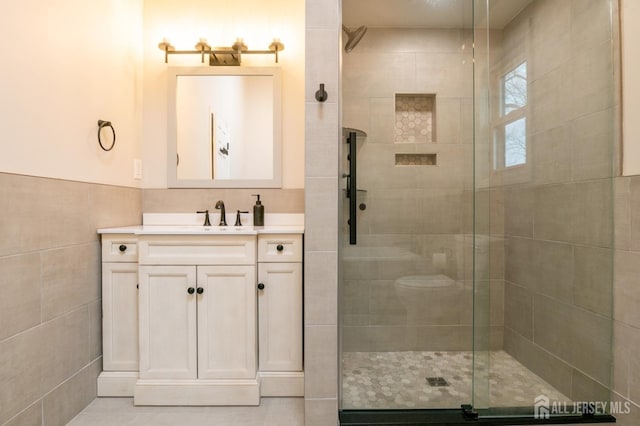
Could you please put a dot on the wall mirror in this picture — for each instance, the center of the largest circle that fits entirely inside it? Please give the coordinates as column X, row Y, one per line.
column 224, row 128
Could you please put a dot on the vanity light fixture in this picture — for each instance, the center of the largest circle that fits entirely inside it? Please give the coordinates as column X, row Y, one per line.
column 221, row 55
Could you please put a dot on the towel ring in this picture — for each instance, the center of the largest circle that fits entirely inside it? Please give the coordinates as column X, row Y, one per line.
column 101, row 125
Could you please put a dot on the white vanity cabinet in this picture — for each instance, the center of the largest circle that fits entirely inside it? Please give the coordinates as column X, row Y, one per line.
column 168, row 322
column 119, row 315
column 198, row 325
column 197, row 322
column 227, row 322
column 280, row 314
column 202, row 316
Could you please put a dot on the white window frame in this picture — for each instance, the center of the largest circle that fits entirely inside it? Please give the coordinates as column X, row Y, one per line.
column 503, row 119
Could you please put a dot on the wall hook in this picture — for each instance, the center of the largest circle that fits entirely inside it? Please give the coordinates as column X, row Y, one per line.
column 101, row 125
column 321, row 94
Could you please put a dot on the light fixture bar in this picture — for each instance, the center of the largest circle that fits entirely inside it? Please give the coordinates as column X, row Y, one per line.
column 221, row 55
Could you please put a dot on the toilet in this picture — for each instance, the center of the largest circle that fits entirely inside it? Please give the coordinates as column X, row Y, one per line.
column 438, row 299
column 421, row 295
column 417, row 283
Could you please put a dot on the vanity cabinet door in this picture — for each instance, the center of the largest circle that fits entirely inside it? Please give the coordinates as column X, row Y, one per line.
column 168, row 346
column 227, row 322
column 120, row 316
column 280, row 316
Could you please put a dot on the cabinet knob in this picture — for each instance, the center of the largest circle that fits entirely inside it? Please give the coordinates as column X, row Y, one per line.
column 122, row 247
column 200, row 290
column 260, row 286
column 279, row 247
column 191, row 290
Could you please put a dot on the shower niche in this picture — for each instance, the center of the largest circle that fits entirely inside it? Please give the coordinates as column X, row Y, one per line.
column 415, row 118
column 416, row 159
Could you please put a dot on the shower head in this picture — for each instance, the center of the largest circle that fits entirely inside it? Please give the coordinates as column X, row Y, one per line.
column 353, row 37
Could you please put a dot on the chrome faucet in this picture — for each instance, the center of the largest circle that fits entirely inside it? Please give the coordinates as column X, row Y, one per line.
column 223, row 215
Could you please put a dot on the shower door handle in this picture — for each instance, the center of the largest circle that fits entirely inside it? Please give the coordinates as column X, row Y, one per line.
column 352, row 185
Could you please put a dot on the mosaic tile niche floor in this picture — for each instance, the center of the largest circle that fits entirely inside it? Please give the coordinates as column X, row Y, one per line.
column 392, row 380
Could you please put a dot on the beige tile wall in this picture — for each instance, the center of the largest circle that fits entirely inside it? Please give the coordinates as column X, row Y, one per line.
column 559, row 252
column 321, row 213
column 414, row 211
column 192, row 200
column 588, row 162
column 626, row 314
column 50, row 299
column 50, row 316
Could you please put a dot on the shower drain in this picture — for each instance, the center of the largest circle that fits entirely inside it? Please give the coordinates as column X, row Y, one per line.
column 437, row 381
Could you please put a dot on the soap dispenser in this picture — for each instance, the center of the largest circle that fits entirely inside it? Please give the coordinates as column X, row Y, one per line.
column 258, row 212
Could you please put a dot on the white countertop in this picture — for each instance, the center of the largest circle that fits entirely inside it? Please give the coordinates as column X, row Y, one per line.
column 191, row 224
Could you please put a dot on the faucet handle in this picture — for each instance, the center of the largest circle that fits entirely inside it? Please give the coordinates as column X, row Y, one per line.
column 206, row 218
column 238, row 222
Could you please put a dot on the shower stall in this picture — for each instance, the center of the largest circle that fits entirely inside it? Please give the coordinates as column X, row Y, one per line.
column 476, row 261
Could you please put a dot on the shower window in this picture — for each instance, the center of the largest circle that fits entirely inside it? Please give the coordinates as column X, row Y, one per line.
column 514, row 89
column 515, row 143
column 511, row 130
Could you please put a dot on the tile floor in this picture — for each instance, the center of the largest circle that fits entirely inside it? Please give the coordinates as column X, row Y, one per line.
column 398, row 380
column 122, row 412
column 371, row 380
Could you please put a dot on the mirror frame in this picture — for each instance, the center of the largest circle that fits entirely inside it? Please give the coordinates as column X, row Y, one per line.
column 172, row 142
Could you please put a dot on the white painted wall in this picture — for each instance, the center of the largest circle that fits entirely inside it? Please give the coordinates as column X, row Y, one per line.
column 183, row 23
column 631, row 86
column 68, row 65
column 65, row 65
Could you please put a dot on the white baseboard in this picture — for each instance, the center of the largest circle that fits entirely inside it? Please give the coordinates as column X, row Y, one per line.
column 281, row 383
column 268, row 384
column 197, row 392
column 117, row 383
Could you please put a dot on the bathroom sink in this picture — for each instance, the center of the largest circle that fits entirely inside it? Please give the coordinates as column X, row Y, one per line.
column 191, row 224
column 196, row 230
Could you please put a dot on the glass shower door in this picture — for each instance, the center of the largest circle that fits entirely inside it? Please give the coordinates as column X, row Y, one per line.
column 481, row 273
column 544, row 154
column 406, row 285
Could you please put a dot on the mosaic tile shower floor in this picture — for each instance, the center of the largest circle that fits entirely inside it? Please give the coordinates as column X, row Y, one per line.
column 378, row 380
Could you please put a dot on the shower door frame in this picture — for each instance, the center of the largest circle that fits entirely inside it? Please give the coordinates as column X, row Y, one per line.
column 430, row 414
column 483, row 414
